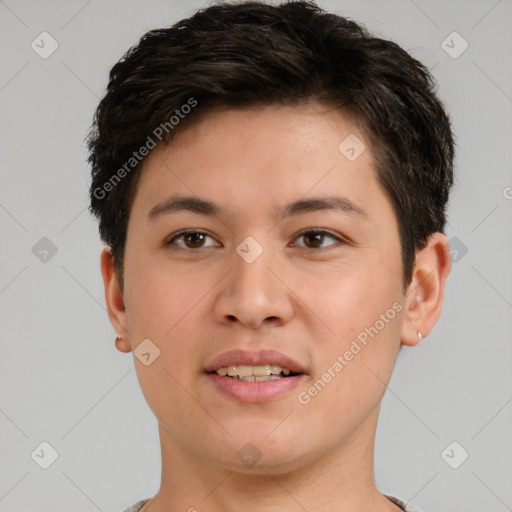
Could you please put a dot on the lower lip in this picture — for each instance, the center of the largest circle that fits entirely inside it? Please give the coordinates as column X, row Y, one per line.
column 257, row 391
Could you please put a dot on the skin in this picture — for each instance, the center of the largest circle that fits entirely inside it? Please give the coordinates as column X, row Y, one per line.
column 306, row 298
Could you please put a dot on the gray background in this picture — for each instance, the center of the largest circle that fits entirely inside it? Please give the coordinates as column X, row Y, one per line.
column 63, row 382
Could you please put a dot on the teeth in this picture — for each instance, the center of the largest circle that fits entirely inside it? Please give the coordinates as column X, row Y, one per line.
column 251, row 373
column 261, row 371
column 242, row 370
column 276, row 370
column 253, row 378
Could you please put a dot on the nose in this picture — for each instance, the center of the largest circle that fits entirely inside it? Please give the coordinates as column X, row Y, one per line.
column 254, row 294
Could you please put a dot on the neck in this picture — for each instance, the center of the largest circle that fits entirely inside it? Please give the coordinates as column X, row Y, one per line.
column 341, row 478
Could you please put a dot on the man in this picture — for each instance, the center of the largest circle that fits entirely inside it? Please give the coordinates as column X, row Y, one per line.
column 271, row 183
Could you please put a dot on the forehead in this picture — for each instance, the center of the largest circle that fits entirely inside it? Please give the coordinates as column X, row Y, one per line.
column 265, row 149
column 313, row 125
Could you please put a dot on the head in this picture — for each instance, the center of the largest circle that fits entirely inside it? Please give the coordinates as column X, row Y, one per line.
column 254, row 107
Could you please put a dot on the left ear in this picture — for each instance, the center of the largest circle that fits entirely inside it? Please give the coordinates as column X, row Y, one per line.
column 424, row 299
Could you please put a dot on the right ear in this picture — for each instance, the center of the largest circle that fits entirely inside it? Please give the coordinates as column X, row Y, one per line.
column 114, row 300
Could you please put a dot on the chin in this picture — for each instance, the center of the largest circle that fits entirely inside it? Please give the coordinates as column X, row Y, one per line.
column 259, row 454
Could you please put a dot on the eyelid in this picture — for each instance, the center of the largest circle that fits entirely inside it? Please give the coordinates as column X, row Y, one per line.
column 171, row 238
column 339, row 238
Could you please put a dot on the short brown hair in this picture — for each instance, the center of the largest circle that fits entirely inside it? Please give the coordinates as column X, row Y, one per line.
column 252, row 53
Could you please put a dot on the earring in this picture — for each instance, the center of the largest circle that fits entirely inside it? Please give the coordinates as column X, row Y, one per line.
column 118, row 338
column 420, row 336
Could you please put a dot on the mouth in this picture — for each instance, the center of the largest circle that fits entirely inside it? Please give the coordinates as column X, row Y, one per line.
column 256, row 377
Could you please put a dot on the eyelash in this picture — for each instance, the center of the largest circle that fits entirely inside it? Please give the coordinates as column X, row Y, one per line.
column 170, row 241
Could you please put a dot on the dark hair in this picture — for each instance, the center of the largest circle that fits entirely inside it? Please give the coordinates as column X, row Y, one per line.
column 252, row 53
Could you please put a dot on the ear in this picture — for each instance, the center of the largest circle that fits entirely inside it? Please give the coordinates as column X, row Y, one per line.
column 424, row 297
column 114, row 300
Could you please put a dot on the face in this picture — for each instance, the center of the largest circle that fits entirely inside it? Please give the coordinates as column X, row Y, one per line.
column 298, row 253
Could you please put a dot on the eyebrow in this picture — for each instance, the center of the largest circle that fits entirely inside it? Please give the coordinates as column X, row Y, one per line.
column 204, row 207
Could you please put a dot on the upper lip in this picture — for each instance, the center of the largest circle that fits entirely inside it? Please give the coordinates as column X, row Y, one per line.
column 261, row 357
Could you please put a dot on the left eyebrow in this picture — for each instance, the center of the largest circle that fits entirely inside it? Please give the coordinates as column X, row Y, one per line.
column 300, row 206
column 323, row 203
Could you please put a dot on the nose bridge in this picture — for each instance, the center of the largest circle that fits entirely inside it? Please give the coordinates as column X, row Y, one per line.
column 252, row 293
column 252, row 276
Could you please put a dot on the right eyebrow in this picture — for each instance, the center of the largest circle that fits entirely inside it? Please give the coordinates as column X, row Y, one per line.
column 188, row 203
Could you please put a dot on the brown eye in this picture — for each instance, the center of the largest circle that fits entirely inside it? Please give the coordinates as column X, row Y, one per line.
column 193, row 240
column 189, row 240
column 313, row 239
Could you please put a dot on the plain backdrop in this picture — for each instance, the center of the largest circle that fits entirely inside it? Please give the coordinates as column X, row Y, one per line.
column 61, row 380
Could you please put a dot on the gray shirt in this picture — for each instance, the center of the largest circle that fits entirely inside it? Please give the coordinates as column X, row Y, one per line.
column 407, row 508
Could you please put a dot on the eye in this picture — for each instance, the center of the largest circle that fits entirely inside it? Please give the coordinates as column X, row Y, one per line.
column 190, row 239
column 314, row 238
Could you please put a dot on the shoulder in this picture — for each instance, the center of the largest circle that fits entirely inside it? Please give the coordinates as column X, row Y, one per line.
column 136, row 506
column 407, row 507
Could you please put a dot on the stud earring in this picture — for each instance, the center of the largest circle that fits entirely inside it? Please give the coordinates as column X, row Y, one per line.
column 420, row 335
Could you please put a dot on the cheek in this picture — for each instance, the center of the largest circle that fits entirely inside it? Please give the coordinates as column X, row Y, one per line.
column 345, row 299
column 353, row 364
column 357, row 315
column 167, row 304
column 161, row 304
column 160, row 293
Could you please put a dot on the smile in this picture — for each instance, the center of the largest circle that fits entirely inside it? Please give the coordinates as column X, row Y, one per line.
column 254, row 373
